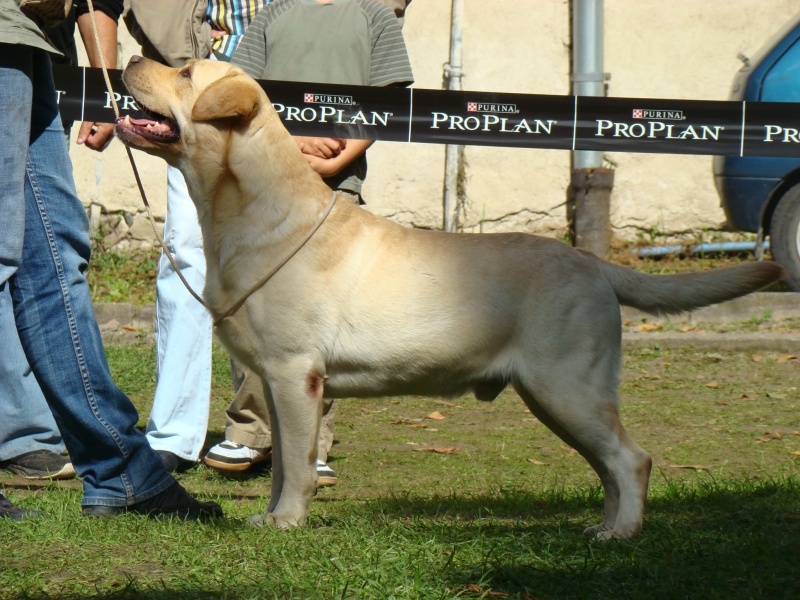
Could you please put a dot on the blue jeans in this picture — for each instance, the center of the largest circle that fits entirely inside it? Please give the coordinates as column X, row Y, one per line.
column 26, row 423
column 52, row 305
column 179, row 417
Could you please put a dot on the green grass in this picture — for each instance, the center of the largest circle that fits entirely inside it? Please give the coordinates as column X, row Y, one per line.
column 117, row 276
column 499, row 517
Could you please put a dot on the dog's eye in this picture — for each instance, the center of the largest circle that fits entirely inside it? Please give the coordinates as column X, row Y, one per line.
column 185, row 73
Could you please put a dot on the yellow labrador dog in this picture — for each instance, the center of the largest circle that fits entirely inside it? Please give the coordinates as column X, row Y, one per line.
column 370, row 308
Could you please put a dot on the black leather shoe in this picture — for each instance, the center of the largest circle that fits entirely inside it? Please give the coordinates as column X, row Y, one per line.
column 173, row 502
column 174, row 463
column 14, row 512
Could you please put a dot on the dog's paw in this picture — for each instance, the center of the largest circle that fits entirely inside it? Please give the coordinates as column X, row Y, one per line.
column 259, row 520
column 272, row 520
column 604, row 533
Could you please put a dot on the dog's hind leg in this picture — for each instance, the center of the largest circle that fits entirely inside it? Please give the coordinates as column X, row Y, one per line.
column 588, row 420
column 295, row 410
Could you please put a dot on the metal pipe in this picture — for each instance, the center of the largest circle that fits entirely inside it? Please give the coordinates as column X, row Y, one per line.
column 453, row 154
column 699, row 248
column 588, row 77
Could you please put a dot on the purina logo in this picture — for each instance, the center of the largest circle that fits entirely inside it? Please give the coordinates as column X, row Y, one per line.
column 492, row 107
column 661, row 115
column 328, row 99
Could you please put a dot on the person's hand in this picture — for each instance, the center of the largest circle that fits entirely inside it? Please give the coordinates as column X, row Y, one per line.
column 325, row 167
column 96, row 136
column 321, row 147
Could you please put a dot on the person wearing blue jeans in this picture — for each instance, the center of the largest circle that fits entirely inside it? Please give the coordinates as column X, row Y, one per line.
column 44, row 253
column 30, row 443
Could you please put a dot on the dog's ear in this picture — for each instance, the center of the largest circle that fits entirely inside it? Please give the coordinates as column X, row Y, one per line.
column 230, row 97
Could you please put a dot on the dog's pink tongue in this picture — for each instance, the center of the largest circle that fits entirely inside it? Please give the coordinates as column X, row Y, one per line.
column 153, row 126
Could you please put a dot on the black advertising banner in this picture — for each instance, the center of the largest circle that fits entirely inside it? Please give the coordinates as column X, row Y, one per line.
column 83, row 95
column 771, row 129
column 489, row 118
column 664, row 126
column 329, row 110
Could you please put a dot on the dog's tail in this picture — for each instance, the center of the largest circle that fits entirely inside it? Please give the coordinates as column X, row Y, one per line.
column 670, row 294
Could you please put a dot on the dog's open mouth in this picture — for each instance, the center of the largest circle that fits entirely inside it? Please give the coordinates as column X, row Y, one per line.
column 152, row 127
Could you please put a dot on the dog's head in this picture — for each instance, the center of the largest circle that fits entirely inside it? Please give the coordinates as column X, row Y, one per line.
column 175, row 102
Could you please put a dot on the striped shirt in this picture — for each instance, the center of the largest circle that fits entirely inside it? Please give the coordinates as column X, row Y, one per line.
column 232, row 17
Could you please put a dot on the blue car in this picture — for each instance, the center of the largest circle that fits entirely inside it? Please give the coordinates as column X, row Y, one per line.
column 761, row 194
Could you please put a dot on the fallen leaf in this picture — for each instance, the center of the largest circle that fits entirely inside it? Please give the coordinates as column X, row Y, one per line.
column 711, row 422
column 776, row 396
column 774, row 435
column 786, row 358
column 365, row 410
column 795, row 453
column 129, row 328
column 406, row 422
column 757, row 358
column 538, row 463
column 691, row 467
column 445, row 403
column 437, row 450
column 436, row 415
column 473, row 587
column 569, row 450
column 420, row 425
column 649, row 327
column 713, row 385
column 688, row 328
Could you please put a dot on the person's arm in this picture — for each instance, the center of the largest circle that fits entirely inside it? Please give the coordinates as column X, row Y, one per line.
column 321, row 147
column 98, row 136
column 328, row 167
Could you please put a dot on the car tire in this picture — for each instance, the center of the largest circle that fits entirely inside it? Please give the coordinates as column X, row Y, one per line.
column 785, row 236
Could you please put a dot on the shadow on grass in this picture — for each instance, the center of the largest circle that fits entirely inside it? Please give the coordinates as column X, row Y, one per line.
column 704, row 539
column 708, row 539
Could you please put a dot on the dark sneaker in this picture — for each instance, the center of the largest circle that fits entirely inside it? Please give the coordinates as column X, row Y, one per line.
column 14, row 512
column 40, row 464
column 230, row 456
column 174, row 463
column 326, row 477
column 173, row 502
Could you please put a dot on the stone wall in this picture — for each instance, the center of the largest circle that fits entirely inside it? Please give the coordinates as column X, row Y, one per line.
column 681, row 49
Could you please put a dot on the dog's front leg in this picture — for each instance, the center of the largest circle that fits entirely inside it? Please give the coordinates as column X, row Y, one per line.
column 295, row 405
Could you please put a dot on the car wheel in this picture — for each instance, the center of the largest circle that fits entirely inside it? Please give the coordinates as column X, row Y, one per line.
column 785, row 235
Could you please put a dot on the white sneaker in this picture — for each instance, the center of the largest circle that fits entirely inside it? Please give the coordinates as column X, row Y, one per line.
column 326, row 477
column 230, row 456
